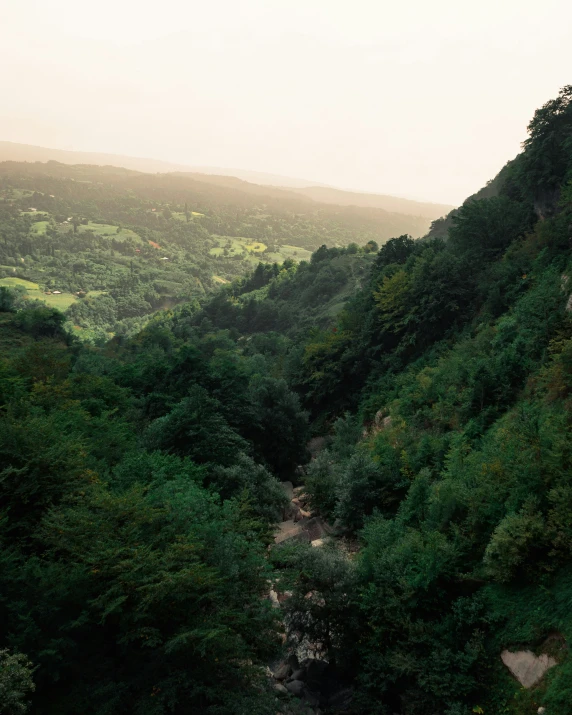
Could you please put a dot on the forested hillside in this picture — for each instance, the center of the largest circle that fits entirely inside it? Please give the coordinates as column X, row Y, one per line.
column 140, row 479
column 110, row 246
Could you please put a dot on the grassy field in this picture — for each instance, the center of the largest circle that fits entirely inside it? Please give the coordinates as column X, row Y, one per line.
column 15, row 194
column 255, row 251
column 237, row 246
column 107, row 229
column 294, row 252
column 180, row 215
column 256, row 247
column 61, row 302
column 40, row 228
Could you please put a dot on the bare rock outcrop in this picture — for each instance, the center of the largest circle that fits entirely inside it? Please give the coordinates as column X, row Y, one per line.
column 527, row 668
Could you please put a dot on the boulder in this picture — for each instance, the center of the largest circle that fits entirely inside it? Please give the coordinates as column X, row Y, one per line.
column 282, row 671
column 316, row 528
column 288, row 489
column 280, row 688
column 290, row 530
column 299, row 674
column 526, row 667
column 296, row 687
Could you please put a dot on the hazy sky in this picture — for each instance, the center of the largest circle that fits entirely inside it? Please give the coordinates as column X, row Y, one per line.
column 419, row 98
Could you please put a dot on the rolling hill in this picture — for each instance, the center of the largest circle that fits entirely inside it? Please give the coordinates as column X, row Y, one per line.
column 11, row 151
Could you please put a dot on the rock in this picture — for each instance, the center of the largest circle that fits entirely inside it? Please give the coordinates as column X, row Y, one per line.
column 317, row 543
column 280, row 688
column 526, row 667
column 296, row 687
column 316, row 528
column 290, row 530
column 274, row 598
column 282, row 671
column 288, row 489
column 541, row 710
column 299, row 674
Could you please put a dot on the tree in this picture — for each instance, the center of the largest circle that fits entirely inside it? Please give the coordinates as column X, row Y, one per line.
column 279, row 427
column 485, row 228
column 42, row 322
column 396, row 250
column 15, row 682
column 196, row 428
column 547, row 160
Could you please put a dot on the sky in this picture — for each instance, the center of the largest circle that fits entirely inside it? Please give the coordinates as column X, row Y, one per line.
column 420, row 99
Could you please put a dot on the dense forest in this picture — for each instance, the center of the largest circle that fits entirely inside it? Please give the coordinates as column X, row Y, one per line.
column 418, row 395
column 110, row 246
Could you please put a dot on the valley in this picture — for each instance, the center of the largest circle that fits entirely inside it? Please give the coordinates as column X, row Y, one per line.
column 335, row 482
column 111, row 246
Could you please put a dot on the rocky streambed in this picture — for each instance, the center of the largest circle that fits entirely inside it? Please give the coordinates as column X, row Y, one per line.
column 305, row 672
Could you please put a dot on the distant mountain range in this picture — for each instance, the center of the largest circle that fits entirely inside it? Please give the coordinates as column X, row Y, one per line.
column 11, row 151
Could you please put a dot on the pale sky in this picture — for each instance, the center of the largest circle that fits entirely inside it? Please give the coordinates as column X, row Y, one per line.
column 420, row 98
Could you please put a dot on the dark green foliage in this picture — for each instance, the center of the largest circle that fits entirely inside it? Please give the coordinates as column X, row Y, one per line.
column 547, row 162
column 195, row 428
column 365, row 485
column 7, row 300
column 279, row 425
column 485, row 228
column 137, row 578
column 41, row 322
